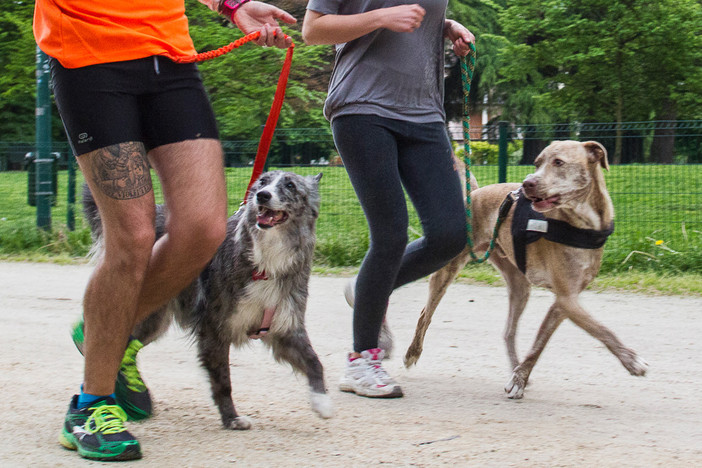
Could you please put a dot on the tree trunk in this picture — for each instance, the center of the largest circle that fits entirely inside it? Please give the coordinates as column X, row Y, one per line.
column 663, row 144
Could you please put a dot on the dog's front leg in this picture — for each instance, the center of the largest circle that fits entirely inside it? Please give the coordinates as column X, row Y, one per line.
column 295, row 348
column 214, row 356
column 519, row 289
column 515, row 387
column 627, row 356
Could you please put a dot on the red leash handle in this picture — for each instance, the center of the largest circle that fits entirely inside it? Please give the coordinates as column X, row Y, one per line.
column 264, row 143
column 209, row 55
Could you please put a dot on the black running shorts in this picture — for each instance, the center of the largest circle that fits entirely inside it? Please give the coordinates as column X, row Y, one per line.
column 151, row 100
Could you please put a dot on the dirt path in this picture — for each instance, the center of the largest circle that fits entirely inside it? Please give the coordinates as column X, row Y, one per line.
column 581, row 408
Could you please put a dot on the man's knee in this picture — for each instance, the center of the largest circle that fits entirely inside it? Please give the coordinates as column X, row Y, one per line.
column 129, row 250
column 199, row 238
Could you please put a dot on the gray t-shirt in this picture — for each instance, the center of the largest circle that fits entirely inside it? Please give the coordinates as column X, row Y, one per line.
column 385, row 73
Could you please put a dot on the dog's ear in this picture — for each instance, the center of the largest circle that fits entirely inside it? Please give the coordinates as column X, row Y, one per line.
column 596, row 153
column 318, row 177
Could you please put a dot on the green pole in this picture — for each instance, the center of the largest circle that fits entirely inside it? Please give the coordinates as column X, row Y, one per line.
column 43, row 159
column 71, row 206
column 502, row 156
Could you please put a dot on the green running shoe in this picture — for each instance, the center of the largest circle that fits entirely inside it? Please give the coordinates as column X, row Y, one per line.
column 131, row 392
column 98, row 433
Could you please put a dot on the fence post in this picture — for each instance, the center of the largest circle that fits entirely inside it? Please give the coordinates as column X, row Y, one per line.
column 502, row 156
column 43, row 159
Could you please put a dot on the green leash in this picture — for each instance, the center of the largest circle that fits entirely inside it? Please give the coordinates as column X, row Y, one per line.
column 467, row 68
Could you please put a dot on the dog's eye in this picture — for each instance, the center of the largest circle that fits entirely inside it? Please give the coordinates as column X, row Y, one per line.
column 290, row 186
column 558, row 162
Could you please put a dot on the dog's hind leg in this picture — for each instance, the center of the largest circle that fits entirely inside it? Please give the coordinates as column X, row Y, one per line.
column 518, row 289
column 515, row 387
column 296, row 349
column 627, row 356
column 438, row 284
column 152, row 327
column 214, row 356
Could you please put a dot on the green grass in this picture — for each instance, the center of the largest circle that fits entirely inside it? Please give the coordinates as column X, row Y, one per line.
column 656, row 246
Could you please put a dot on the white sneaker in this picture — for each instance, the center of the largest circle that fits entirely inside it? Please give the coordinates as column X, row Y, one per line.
column 365, row 376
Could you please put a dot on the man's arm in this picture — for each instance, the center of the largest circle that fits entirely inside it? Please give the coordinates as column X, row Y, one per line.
column 251, row 16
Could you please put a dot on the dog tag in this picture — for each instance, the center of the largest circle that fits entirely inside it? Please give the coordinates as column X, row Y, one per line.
column 538, row 225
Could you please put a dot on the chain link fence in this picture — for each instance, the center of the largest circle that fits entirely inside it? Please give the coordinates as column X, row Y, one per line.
column 655, row 176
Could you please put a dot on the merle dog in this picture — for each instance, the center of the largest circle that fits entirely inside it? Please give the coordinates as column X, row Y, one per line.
column 255, row 287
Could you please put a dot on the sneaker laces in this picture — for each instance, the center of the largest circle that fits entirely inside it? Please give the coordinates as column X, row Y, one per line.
column 107, row 419
column 379, row 374
column 129, row 367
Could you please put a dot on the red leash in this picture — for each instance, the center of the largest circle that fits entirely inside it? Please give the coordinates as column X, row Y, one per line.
column 264, row 143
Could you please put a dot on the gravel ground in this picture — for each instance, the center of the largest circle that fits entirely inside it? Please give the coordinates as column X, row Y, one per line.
column 581, row 407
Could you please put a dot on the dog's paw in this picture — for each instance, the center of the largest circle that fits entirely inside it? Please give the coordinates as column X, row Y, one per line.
column 412, row 356
column 634, row 363
column 322, row 404
column 515, row 387
column 240, row 423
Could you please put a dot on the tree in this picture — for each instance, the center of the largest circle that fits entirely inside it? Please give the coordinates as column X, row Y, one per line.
column 242, row 83
column 17, row 72
column 599, row 60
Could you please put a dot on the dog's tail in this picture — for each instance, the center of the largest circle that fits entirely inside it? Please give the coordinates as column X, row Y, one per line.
column 90, row 210
column 92, row 215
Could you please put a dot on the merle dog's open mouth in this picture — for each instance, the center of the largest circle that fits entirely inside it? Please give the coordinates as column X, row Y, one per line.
column 268, row 218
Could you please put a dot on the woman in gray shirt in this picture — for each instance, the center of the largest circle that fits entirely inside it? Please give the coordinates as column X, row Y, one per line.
column 385, row 105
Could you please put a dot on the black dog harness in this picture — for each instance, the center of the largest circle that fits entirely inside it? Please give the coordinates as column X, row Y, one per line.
column 529, row 226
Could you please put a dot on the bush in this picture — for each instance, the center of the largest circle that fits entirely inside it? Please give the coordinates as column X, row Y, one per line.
column 485, row 153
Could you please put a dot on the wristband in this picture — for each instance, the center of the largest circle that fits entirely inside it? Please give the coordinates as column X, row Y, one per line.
column 229, row 7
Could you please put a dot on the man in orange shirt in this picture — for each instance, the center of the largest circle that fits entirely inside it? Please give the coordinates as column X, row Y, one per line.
column 127, row 106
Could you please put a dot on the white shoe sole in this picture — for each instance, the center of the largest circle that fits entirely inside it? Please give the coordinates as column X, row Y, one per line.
column 393, row 391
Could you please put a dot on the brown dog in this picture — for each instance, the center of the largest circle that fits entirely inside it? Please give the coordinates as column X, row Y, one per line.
column 568, row 188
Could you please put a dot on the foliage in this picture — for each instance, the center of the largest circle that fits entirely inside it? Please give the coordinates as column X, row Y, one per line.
column 484, row 153
column 600, row 60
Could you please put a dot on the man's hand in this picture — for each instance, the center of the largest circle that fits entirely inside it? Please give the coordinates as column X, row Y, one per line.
column 259, row 16
column 459, row 36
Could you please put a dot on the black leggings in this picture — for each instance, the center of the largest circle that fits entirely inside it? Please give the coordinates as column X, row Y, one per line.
column 381, row 156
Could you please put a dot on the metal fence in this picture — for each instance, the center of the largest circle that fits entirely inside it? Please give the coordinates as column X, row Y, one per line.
column 649, row 197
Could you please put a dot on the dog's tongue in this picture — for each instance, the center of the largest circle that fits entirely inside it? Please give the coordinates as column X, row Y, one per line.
column 546, row 203
column 269, row 217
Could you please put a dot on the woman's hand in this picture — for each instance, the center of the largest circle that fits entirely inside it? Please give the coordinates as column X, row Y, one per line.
column 403, row 18
column 259, row 16
column 459, row 36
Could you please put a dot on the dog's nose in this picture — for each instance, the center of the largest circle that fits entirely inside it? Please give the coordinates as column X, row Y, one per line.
column 529, row 183
column 263, row 196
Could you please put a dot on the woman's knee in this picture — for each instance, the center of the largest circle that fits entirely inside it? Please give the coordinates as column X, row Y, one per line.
column 390, row 246
column 447, row 243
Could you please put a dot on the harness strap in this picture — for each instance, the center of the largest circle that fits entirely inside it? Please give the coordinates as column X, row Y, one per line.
column 529, row 226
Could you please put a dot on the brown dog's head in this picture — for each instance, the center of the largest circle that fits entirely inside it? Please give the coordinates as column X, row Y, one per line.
column 565, row 171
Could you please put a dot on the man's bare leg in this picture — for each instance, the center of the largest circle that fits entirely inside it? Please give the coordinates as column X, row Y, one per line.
column 119, row 179
column 195, row 194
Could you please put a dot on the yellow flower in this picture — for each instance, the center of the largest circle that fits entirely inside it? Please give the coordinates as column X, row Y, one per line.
column 659, row 242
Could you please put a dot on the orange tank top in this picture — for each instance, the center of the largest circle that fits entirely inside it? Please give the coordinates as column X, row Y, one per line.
column 86, row 32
